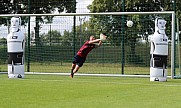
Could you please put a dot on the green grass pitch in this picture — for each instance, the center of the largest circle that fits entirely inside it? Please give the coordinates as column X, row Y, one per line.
column 55, row 91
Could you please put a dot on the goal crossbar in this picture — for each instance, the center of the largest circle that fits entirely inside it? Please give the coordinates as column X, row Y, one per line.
column 86, row 14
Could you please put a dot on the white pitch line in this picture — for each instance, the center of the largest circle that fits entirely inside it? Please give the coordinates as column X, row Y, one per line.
column 105, row 75
column 87, row 74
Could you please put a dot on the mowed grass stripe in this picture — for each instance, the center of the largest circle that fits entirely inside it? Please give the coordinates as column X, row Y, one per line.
column 54, row 91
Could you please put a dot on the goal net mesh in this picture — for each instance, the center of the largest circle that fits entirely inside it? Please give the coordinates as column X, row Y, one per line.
column 54, row 42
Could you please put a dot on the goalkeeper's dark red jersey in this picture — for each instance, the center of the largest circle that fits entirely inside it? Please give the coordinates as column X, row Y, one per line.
column 85, row 49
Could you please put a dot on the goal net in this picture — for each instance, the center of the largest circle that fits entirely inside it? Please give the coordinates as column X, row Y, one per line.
column 52, row 40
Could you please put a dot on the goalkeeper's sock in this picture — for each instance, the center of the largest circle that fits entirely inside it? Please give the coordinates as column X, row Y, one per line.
column 72, row 74
column 71, row 71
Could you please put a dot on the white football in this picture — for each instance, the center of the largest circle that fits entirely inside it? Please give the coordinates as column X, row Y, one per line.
column 129, row 23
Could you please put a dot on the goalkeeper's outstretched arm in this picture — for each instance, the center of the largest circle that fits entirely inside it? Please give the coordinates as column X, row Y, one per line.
column 93, row 41
column 99, row 41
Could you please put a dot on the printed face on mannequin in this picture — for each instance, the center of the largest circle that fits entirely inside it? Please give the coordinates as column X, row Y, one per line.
column 15, row 23
column 161, row 24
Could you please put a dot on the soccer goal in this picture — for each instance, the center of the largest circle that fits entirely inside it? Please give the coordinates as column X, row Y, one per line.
column 54, row 39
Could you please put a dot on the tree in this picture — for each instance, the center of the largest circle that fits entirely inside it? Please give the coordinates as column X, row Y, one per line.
column 67, row 38
column 48, row 6
column 36, row 7
column 7, row 8
column 3, row 41
column 83, row 32
column 114, row 26
column 52, row 37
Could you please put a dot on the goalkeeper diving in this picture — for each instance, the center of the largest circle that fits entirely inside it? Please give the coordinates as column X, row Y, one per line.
column 82, row 53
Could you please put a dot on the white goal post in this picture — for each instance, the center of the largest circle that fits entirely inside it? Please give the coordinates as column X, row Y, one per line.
column 172, row 13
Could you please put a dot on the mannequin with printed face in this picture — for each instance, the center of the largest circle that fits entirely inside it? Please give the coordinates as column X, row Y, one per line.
column 16, row 44
column 159, row 52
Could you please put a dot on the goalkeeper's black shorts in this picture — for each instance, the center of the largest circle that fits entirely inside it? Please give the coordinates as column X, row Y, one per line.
column 78, row 60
